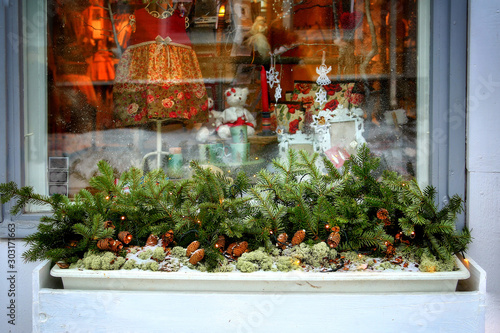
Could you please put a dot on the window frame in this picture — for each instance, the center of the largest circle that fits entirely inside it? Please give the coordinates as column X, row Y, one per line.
column 447, row 105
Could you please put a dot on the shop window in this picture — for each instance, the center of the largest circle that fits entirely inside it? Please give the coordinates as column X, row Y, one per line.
column 160, row 83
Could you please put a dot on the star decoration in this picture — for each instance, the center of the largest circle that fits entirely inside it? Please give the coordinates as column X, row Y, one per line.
column 272, row 76
column 277, row 92
column 321, row 96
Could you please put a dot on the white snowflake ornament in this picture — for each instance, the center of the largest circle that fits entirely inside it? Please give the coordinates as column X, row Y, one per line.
column 277, row 92
column 321, row 96
column 272, row 76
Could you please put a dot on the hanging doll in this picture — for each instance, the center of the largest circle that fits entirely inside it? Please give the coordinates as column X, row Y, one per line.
column 158, row 76
column 256, row 37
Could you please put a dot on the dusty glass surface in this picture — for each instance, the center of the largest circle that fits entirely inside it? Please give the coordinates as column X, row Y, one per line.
column 159, row 83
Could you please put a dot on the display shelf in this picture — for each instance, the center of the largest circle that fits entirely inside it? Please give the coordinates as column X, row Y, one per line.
column 263, row 139
column 56, row 309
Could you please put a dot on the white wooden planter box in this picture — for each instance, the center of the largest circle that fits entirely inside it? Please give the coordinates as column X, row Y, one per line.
column 268, row 305
column 339, row 282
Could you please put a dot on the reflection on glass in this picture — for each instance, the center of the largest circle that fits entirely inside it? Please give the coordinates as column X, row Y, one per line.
column 160, row 83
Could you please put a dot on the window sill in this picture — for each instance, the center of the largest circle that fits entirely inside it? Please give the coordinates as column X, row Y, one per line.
column 267, row 311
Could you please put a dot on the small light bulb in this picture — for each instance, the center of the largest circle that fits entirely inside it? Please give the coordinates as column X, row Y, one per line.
column 107, row 197
column 123, row 217
column 327, row 226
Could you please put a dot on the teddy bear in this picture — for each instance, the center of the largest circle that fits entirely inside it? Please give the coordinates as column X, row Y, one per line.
column 214, row 121
column 236, row 114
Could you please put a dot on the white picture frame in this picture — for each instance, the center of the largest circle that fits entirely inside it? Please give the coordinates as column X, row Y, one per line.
column 297, row 141
column 341, row 128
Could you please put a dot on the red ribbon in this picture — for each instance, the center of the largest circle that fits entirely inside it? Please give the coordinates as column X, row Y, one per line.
column 240, row 122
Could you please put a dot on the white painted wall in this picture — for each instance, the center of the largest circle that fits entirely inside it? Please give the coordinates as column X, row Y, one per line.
column 22, row 287
column 483, row 148
column 483, row 163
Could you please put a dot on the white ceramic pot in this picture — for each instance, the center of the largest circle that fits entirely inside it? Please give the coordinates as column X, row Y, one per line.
column 338, row 282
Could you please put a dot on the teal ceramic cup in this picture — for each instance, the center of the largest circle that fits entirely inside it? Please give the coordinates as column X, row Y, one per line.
column 216, row 153
column 204, row 152
column 174, row 167
column 239, row 152
column 239, row 134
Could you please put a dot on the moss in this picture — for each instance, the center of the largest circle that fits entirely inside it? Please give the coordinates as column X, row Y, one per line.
column 254, row 261
column 332, row 254
column 247, row 266
column 158, row 254
column 95, row 263
column 119, row 262
column 104, row 260
column 275, row 252
column 285, row 264
column 179, row 252
column 78, row 264
column 315, row 255
column 150, row 265
column 145, row 255
column 130, row 264
column 154, row 266
column 107, row 260
column 224, row 267
column 388, row 265
column 201, row 266
column 429, row 263
column 319, row 253
column 352, row 256
column 299, row 252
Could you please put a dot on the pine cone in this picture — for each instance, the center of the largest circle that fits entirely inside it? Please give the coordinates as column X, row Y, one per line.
column 152, row 240
column 116, row 246
column 167, row 238
column 105, row 244
column 109, row 224
column 391, row 250
column 197, row 256
column 298, row 237
column 230, row 248
column 125, row 237
column 221, row 242
column 192, row 248
column 333, row 240
column 62, row 264
column 240, row 248
column 282, row 239
column 382, row 214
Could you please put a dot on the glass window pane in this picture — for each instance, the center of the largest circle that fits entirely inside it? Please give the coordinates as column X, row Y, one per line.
column 232, row 84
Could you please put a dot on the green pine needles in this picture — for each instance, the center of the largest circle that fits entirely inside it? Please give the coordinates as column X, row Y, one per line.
column 373, row 211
